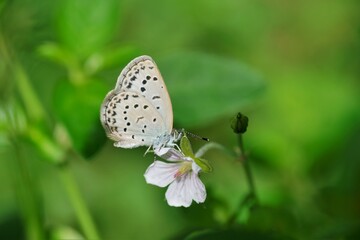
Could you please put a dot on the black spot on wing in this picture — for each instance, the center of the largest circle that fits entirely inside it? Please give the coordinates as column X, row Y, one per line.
column 138, row 119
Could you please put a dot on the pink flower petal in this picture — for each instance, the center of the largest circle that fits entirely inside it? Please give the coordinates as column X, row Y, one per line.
column 170, row 154
column 161, row 174
column 185, row 189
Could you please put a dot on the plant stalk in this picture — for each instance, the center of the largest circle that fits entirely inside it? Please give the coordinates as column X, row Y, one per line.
column 78, row 203
column 250, row 199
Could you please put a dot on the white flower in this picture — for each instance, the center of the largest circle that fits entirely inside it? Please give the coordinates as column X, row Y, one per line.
column 181, row 174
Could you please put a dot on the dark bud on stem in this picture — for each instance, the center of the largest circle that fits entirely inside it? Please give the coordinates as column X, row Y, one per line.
column 239, row 123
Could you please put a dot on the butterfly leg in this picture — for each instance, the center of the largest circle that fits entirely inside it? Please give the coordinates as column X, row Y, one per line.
column 148, row 150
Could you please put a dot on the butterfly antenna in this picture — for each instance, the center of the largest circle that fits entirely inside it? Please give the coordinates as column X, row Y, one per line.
column 196, row 136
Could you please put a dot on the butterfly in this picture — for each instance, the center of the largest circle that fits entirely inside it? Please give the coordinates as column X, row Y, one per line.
column 138, row 111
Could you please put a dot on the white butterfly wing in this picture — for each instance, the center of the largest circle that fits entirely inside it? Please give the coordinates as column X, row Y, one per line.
column 130, row 120
column 142, row 75
column 139, row 109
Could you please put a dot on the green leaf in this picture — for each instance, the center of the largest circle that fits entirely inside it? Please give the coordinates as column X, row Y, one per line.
column 85, row 27
column 110, row 58
column 64, row 232
column 204, row 88
column 307, row 116
column 46, row 145
column 241, row 233
column 56, row 53
column 78, row 106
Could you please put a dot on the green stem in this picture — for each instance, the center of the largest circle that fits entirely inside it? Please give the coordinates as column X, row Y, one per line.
column 37, row 114
column 28, row 200
column 24, row 188
column 79, row 206
column 245, row 162
column 250, row 199
column 32, row 104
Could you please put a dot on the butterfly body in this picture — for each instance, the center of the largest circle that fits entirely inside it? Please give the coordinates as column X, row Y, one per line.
column 138, row 111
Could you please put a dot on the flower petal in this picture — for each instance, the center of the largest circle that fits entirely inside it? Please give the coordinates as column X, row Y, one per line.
column 183, row 190
column 170, row 154
column 197, row 188
column 161, row 174
column 176, row 194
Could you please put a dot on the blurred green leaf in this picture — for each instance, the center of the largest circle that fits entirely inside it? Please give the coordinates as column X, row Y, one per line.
column 204, row 88
column 304, row 118
column 85, row 28
column 78, row 106
column 12, row 118
column 65, row 232
column 56, row 53
column 235, row 234
column 53, row 152
column 110, row 58
column 280, row 219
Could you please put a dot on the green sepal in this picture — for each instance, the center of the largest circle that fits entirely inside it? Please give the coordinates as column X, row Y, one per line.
column 186, row 147
column 203, row 164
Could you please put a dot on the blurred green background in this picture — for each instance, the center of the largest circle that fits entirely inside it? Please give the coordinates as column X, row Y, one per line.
column 291, row 66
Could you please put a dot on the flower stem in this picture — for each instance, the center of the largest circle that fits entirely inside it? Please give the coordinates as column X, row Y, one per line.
column 79, row 206
column 245, row 162
column 250, row 199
